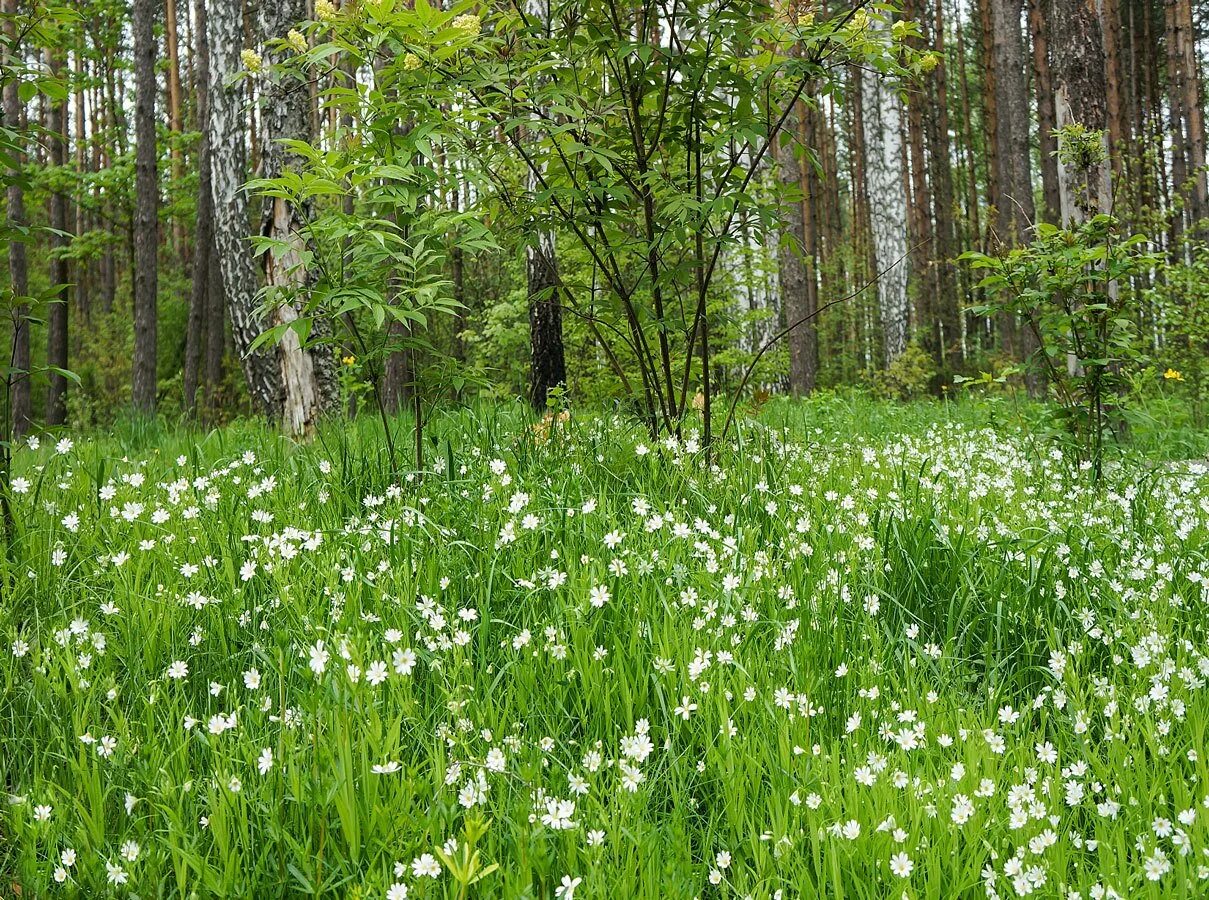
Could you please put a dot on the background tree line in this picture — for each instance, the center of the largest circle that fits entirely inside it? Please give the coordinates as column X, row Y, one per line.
column 130, row 130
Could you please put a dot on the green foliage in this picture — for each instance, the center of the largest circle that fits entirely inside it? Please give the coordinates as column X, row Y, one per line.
column 1182, row 362
column 1071, row 288
column 909, row 377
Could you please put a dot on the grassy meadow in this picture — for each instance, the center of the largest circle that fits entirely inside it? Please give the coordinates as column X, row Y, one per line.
column 873, row 651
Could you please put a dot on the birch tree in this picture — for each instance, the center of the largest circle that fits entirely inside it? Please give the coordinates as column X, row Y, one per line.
column 227, row 130
column 307, row 374
column 883, row 136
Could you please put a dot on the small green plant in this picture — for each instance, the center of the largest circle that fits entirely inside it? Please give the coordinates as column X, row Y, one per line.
column 464, row 863
column 1182, row 363
column 1071, row 288
column 910, row 375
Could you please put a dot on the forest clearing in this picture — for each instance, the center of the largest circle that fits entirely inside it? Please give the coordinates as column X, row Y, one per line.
column 582, row 449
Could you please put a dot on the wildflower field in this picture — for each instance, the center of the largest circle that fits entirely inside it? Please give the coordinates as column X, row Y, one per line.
column 900, row 653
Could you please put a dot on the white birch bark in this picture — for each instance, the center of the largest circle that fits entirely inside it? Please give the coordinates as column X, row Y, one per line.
column 887, row 202
column 228, row 125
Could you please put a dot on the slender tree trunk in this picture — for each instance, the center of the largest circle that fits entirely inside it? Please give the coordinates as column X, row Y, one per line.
column 199, row 334
column 941, row 165
column 883, row 131
column 19, row 399
column 83, row 275
column 1046, row 123
column 146, row 225
column 791, row 257
column 308, row 374
column 56, row 319
column 175, row 119
column 548, row 367
column 1110, row 16
column 1194, row 112
column 1014, row 202
column 228, row 171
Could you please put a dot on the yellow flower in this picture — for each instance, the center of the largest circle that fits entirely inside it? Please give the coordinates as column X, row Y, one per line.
column 296, row 40
column 251, row 61
column 1173, row 375
column 325, row 10
column 349, row 360
column 411, row 62
column 468, row 23
column 929, row 61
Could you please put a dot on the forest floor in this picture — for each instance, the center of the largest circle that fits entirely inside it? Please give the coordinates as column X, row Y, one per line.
column 875, row 651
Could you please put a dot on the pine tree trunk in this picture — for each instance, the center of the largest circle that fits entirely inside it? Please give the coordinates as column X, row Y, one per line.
column 308, row 374
column 1080, row 98
column 1198, row 196
column 947, row 316
column 1110, row 26
column 56, row 318
column 883, row 135
column 228, row 171
column 1014, row 202
column 83, row 275
column 198, row 335
column 20, row 401
column 791, row 258
column 175, row 120
column 1046, row 122
column 146, row 225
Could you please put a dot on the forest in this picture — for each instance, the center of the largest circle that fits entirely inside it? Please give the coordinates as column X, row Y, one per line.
column 585, row 448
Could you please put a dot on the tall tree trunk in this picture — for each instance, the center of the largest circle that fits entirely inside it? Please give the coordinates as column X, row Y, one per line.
column 1080, row 99
column 19, row 398
column 919, row 198
column 146, row 225
column 228, row 171
column 57, row 335
column 175, row 121
column 883, row 134
column 1194, row 110
column 1046, row 122
column 547, row 363
column 199, row 334
column 1110, row 27
column 791, row 258
column 940, row 159
column 308, row 374
column 83, row 279
column 1014, row 201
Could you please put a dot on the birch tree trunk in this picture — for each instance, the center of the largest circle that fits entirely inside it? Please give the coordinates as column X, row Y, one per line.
column 547, row 359
column 308, row 374
column 883, row 134
column 229, row 171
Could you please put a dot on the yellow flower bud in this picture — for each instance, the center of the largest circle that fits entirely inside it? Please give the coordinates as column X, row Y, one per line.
column 251, row 60
column 468, row 23
column 411, row 62
column 296, row 40
column 325, row 10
